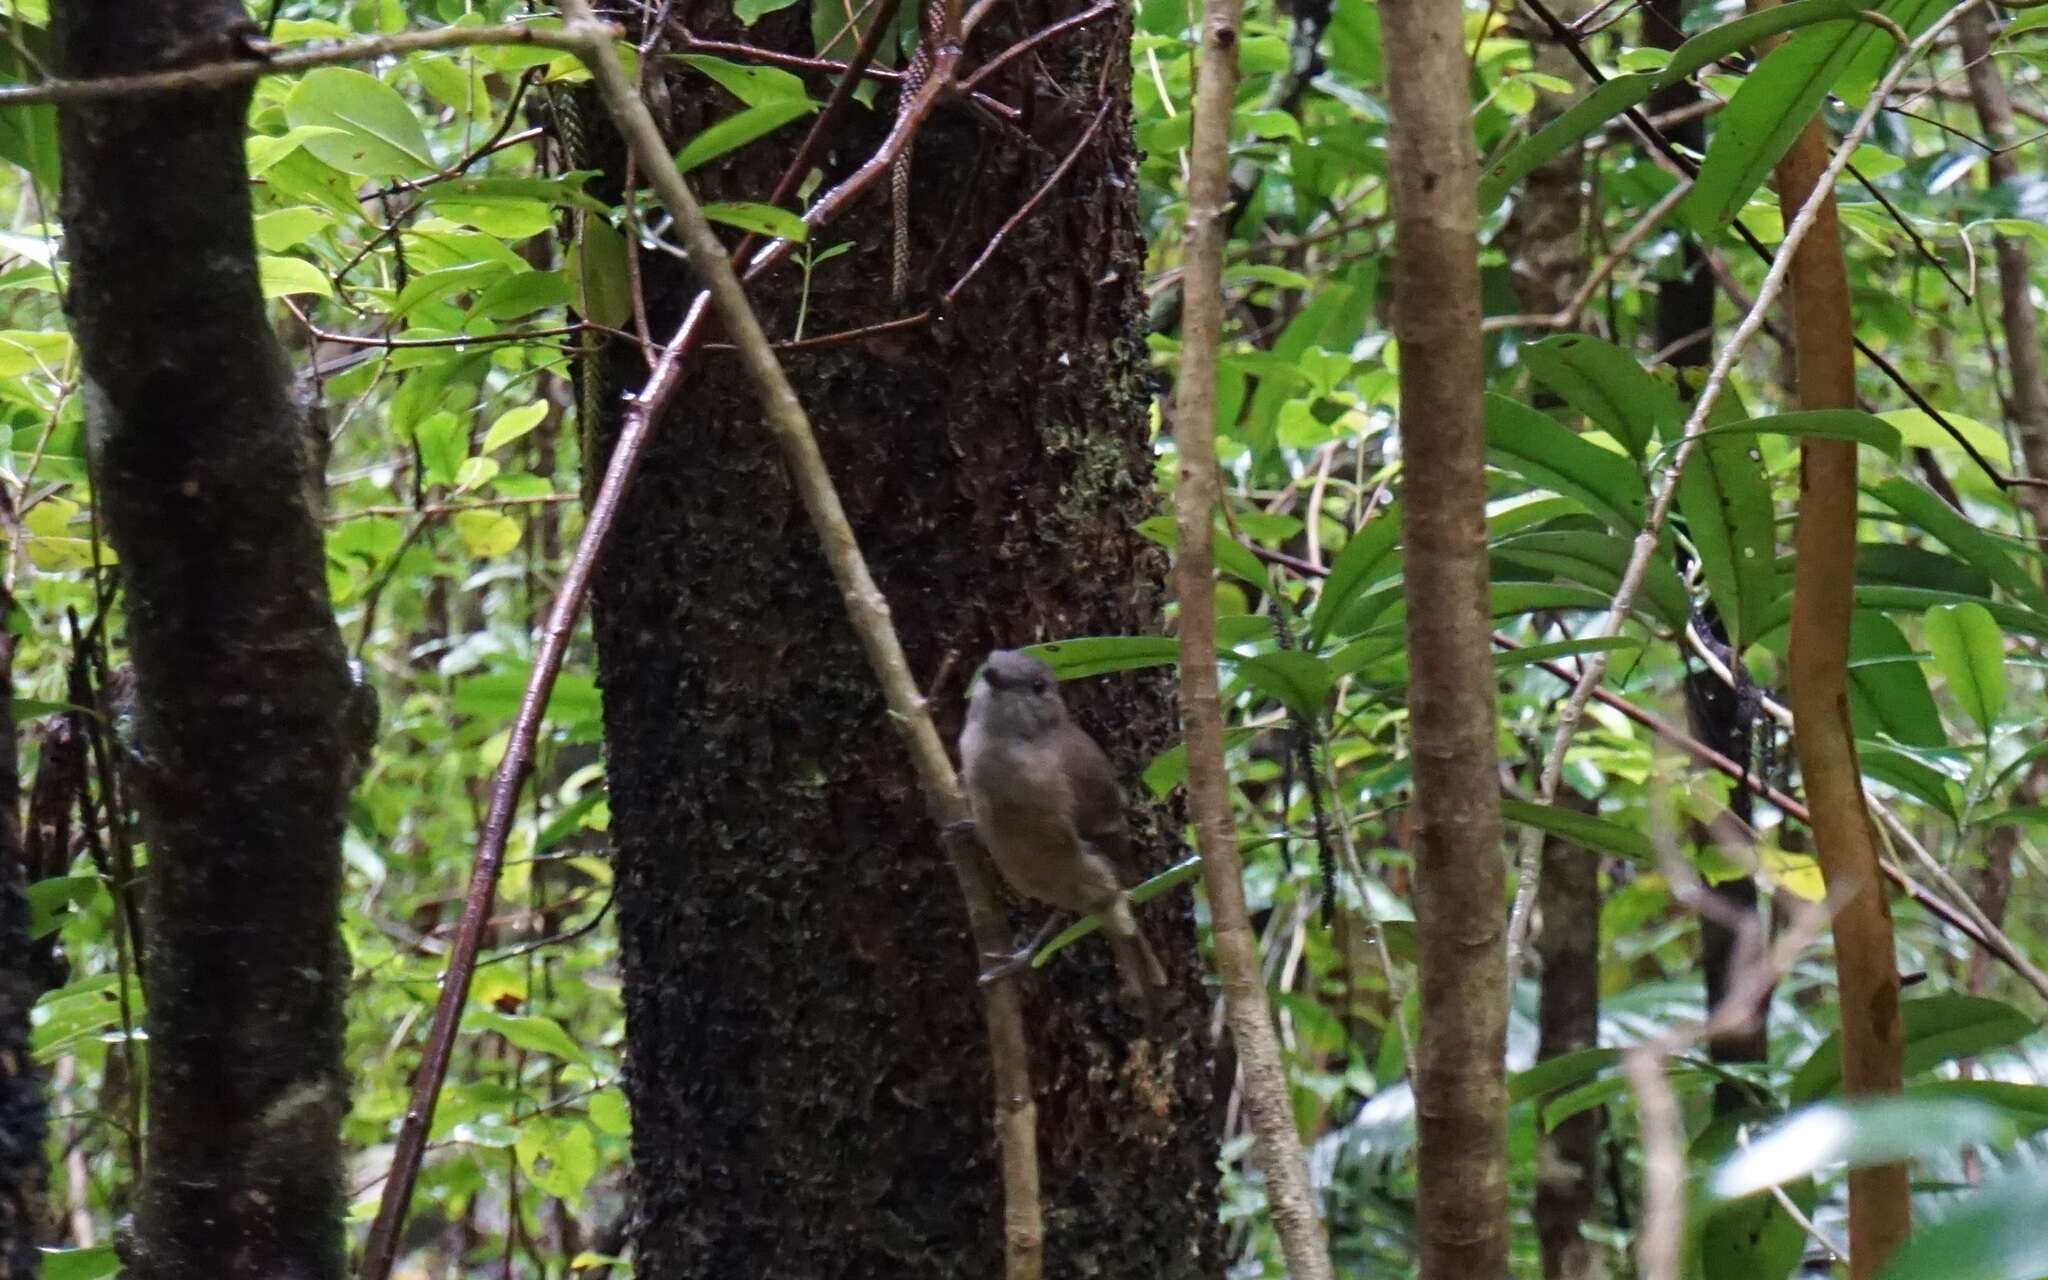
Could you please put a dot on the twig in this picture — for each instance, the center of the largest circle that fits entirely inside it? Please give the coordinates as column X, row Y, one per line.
column 1276, row 1142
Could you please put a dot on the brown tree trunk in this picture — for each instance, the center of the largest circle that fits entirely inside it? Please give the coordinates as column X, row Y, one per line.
column 808, row 1069
column 203, row 467
column 1546, row 244
column 1460, row 1092
column 1824, row 574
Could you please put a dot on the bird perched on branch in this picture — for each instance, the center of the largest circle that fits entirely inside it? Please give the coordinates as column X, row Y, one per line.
column 1048, row 809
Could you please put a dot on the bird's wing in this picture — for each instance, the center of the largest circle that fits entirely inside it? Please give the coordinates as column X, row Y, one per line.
column 1098, row 799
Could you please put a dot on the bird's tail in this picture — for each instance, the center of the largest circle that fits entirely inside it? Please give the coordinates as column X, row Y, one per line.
column 1138, row 967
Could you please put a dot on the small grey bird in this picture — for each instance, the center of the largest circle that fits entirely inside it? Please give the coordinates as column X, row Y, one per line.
column 1048, row 809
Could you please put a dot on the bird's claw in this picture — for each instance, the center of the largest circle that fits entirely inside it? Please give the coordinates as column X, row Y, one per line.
column 954, row 830
column 1005, row 965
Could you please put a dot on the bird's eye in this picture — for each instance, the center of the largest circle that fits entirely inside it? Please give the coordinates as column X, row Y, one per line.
column 1038, row 684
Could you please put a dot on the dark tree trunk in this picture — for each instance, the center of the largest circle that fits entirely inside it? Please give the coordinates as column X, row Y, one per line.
column 808, row 1071
column 242, row 690
column 24, row 1119
column 1684, row 331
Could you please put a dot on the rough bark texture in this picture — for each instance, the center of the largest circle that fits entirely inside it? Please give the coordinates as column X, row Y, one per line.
column 1546, row 244
column 24, row 1119
column 1460, row 875
column 808, row 1068
column 2028, row 403
column 1568, row 1020
column 243, row 690
column 1824, row 576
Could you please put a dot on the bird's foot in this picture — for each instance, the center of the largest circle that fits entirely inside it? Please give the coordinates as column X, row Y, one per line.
column 954, row 830
column 1019, row 960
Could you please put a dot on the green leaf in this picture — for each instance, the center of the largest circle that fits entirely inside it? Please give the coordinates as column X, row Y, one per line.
column 1867, row 1132
column 1582, row 829
column 751, row 11
column 80, row 1264
column 512, row 424
column 1622, row 92
column 443, row 443
column 280, row 276
column 49, row 901
column 1562, row 1072
column 1817, row 424
column 1895, row 768
column 558, row 1155
column 1597, row 560
column 1165, row 882
column 1606, row 384
column 1528, row 655
column 1543, row 452
column 1969, row 651
column 1930, row 514
column 608, row 1112
column 1231, row 556
column 378, row 134
column 736, row 131
column 752, row 84
column 1888, row 691
column 486, row 533
column 531, row 1031
column 1938, row 1029
column 762, row 219
column 1084, row 656
column 1777, row 99
column 1367, row 559
column 1300, row 681
column 1997, row 1233
column 1725, row 498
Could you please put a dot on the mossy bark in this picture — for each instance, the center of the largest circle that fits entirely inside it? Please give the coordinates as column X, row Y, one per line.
column 808, row 1071
column 201, row 464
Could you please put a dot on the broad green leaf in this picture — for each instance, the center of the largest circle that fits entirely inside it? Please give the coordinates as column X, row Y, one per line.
column 95, row 1263
column 443, row 441
column 1969, row 650
column 736, row 131
column 1999, row 1232
column 1726, row 501
column 752, row 84
column 1231, row 556
column 1897, row 769
column 49, row 901
column 1507, row 659
column 1597, row 560
column 1899, row 565
column 1085, row 656
column 1933, row 516
column 1543, row 452
column 558, row 1155
column 1919, row 430
column 1816, row 424
column 379, row 135
column 1867, row 1132
column 1562, row 1072
column 1366, row 560
column 1583, row 829
column 281, row 276
column 512, row 424
column 1888, row 693
column 763, row 219
column 1776, row 101
column 1606, row 384
column 1299, row 680
column 1938, row 1029
column 1622, row 92
column 486, row 533
column 608, row 1112
column 1753, row 1239
column 531, row 1031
